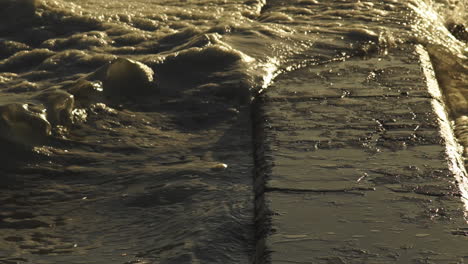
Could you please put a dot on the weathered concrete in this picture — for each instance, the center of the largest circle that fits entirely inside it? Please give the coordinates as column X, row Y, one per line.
column 353, row 166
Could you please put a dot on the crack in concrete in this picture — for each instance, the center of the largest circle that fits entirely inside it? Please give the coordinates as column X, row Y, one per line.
column 338, row 190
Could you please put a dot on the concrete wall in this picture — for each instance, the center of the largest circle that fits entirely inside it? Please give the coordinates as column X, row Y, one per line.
column 356, row 163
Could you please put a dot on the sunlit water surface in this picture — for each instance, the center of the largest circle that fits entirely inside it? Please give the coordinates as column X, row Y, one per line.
column 104, row 166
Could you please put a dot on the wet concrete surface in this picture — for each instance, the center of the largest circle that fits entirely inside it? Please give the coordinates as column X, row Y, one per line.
column 353, row 167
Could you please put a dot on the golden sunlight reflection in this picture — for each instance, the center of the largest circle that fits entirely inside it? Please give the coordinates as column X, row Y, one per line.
column 453, row 149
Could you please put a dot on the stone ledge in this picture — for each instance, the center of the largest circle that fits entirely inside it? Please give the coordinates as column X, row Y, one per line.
column 369, row 176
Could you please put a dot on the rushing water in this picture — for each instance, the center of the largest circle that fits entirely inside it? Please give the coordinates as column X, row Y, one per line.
column 117, row 117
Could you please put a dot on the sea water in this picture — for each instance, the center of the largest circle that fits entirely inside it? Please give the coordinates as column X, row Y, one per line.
column 124, row 125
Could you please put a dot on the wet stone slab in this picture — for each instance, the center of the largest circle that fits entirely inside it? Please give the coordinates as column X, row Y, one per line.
column 353, row 167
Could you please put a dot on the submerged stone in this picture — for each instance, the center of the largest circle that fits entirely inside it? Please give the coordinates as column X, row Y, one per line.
column 86, row 92
column 125, row 77
column 59, row 105
column 25, row 124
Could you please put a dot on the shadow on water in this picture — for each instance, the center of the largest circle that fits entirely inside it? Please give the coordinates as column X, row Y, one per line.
column 138, row 183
